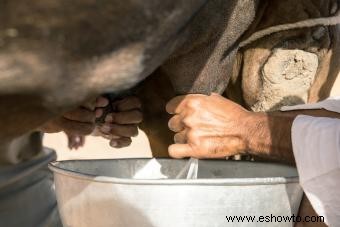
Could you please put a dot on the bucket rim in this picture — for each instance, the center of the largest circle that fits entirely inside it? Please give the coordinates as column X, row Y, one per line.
column 53, row 166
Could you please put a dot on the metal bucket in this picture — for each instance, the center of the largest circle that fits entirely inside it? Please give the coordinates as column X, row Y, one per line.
column 103, row 193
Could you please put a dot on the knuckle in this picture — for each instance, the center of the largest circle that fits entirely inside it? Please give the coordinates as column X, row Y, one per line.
column 114, row 118
column 188, row 121
column 194, row 103
column 109, row 117
column 193, row 136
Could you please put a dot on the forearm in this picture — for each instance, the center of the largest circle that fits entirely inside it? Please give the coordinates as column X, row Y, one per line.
column 269, row 136
column 270, row 133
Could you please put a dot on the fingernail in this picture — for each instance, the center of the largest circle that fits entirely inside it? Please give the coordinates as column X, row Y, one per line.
column 105, row 128
column 113, row 143
column 109, row 118
column 102, row 101
column 98, row 112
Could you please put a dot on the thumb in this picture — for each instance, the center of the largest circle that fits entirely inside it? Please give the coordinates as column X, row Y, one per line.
column 180, row 150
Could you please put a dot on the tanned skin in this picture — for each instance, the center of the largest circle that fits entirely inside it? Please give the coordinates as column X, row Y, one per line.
column 118, row 127
column 215, row 127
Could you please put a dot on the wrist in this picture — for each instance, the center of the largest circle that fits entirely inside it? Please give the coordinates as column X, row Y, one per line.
column 269, row 136
column 257, row 135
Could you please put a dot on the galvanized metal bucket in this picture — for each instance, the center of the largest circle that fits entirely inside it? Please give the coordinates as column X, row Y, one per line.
column 104, row 193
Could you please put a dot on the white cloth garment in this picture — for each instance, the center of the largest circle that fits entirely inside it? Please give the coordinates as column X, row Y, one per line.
column 316, row 146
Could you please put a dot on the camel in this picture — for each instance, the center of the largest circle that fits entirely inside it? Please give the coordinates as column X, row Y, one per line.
column 55, row 55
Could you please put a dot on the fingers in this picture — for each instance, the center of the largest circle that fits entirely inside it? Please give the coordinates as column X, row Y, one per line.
column 122, row 124
column 99, row 112
column 120, row 130
column 175, row 105
column 127, row 111
column 206, row 126
column 176, row 124
column 208, row 147
column 179, row 103
column 101, row 102
column 98, row 102
column 75, row 127
column 128, row 103
column 127, row 117
column 182, row 107
column 89, row 111
column 120, row 142
column 115, row 140
column 80, row 115
column 90, row 105
column 181, row 137
column 180, row 151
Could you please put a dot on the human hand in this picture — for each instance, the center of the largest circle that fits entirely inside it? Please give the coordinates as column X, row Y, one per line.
column 207, row 126
column 122, row 124
column 77, row 122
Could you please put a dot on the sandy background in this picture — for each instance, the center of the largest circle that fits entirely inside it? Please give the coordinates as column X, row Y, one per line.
column 98, row 148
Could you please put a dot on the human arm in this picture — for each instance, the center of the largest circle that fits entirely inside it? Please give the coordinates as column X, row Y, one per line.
column 214, row 127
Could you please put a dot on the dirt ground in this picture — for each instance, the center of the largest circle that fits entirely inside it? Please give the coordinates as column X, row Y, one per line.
column 98, row 148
